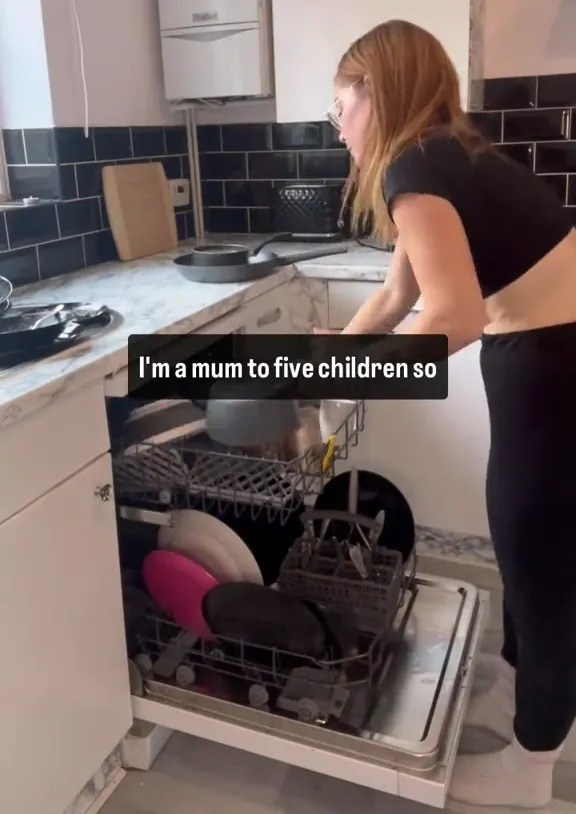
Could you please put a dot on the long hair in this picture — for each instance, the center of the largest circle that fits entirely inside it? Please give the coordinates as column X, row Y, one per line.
column 414, row 89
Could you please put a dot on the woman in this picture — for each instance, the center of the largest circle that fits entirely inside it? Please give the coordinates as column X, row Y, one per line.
column 488, row 247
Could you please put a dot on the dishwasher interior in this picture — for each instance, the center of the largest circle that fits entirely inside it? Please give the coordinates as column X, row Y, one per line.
column 385, row 683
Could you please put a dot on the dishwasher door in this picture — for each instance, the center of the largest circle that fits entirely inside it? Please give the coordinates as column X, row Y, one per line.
column 409, row 746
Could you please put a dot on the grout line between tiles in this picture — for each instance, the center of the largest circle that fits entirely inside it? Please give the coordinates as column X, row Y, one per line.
column 57, row 221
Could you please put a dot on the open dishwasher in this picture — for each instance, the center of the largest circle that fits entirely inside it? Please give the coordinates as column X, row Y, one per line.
column 387, row 710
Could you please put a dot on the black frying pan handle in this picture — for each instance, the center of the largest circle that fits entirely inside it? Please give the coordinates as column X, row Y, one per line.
column 277, row 238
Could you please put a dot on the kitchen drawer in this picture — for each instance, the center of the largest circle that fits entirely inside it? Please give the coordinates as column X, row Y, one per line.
column 345, row 297
column 385, row 763
column 48, row 446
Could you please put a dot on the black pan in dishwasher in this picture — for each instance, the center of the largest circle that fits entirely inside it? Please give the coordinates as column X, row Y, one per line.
column 235, row 263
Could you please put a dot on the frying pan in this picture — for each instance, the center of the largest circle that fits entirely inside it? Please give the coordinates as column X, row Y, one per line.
column 257, row 614
column 235, row 263
column 28, row 332
column 25, row 332
column 5, row 294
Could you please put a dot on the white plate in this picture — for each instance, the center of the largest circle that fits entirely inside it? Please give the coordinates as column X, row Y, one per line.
column 211, row 544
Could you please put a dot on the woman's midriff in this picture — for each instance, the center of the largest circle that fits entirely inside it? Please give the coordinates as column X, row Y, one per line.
column 545, row 295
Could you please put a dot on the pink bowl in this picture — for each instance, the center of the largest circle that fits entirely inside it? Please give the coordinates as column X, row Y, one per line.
column 178, row 586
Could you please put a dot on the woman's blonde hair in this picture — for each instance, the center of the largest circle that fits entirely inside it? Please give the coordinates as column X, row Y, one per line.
column 413, row 87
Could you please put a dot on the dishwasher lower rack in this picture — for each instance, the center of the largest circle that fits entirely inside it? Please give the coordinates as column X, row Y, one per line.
column 339, row 689
column 195, row 473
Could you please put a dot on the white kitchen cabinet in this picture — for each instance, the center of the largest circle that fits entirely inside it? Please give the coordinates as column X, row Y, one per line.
column 310, row 38
column 56, row 456
column 63, row 678
column 436, row 452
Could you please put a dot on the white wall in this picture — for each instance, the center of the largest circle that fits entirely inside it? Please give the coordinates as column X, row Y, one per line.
column 124, row 69
column 521, row 38
column 122, row 59
column 24, row 84
column 529, row 37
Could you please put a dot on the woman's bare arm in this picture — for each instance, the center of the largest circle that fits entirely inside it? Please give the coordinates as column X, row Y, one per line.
column 440, row 255
column 388, row 306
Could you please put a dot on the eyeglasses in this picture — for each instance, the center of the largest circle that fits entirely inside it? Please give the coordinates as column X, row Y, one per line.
column 334, row 112
column 334, row 115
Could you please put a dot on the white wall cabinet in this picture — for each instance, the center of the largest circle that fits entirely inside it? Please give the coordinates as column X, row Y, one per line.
column 310, row 37
column 436, row 452
column 63, row 678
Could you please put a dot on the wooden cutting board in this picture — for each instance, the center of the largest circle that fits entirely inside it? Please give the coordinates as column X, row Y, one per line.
column 139, row 209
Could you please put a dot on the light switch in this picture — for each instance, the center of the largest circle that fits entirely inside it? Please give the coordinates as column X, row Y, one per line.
column 180, row 191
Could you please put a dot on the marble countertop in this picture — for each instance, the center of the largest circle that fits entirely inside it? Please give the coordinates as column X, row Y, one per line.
column 153, row 297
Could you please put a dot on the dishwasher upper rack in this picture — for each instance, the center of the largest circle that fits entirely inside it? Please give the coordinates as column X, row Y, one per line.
column 194, row 472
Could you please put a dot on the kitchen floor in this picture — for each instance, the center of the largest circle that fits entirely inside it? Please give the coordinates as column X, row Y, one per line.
column 192, row 776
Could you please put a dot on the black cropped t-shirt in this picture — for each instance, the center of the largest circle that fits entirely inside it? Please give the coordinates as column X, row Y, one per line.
column 512, row 218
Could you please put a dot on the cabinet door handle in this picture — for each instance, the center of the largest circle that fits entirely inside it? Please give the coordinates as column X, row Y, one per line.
column 269, row 318
column 104, row 492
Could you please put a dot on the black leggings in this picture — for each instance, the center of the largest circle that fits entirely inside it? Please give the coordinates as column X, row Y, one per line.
column 530, row 380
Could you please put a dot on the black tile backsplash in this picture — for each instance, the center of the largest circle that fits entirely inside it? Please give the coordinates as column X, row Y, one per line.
column 40, row 146
column 61, row 257
column 14, row 146
column 558, row 184
column 20, row 266
column 246, row 137
column 65, row 166
column 218, row 166
column 270, row 166
column 31, row 225
column 112, row 143
column 535, row 125
column 511, row 93
column 248, row 193
column 556, row 156
column 489, row 123
column 303, row 136
column 241, row 164
column 148, row 141
column 538, row 127
column 79, row 217
column 572, row 190
column 99, row 247
column 557, row 90
column 324, row 164
column 532, row 119
column 41, row 181
column 73, row 146
column 524, row 153
column 89, row 178
column 213, row 193
column 226, row 219
column 68, row 182
column 3, row 233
